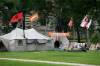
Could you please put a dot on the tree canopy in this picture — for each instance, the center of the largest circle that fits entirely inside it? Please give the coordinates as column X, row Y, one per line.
column 62, row 10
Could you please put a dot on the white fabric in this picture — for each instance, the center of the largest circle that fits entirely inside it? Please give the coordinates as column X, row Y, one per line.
column 85, row 21
column 10, row 40
column 33, row 34
column 29, row 34
column 64, row 41
column 89, row 24
column 15, row 34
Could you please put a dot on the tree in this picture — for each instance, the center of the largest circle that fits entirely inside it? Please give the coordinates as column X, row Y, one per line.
column 63, row 10
column 95, row 37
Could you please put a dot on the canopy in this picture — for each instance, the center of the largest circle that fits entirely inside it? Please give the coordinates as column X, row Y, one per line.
column 14, row 34
column 33, row 34
column 29, row 34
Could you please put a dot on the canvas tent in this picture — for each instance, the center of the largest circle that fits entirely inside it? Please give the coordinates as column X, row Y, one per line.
column 60, row 39
column 15, row 40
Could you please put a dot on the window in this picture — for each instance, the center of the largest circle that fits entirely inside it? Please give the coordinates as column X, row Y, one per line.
column 20, row 43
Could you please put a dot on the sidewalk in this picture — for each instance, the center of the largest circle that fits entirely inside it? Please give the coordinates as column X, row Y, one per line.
column 49, row 62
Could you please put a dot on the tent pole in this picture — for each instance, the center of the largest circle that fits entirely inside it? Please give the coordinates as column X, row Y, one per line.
column 23, row 23
column 23, row 9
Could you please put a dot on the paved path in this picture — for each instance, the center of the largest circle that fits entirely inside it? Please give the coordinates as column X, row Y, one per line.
column 49, row 62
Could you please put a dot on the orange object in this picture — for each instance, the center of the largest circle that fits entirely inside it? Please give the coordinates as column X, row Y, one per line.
column 58, row 34
column 34, row 17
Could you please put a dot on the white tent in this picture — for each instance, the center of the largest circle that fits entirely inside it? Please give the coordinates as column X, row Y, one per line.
column 29, row 34
column 15, row 34
column 15, row 40
column 60, row 40
column 33, row 34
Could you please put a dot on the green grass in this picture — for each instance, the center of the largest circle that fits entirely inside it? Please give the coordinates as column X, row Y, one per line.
column 17, row 63
column 61, row 56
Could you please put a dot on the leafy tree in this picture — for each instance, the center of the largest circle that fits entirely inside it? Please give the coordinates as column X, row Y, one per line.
column 63, row 10
column 95, row 37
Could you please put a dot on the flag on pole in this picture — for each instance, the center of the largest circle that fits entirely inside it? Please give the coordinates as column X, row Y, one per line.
column 17, row 17
column 70, row 24
column 34, row 17
column 85, row 21
column 89, row 24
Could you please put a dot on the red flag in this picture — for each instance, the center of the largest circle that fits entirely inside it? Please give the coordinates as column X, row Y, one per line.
column 34, row 17
column 85, row 21
column 17, row 17
column 70, row 24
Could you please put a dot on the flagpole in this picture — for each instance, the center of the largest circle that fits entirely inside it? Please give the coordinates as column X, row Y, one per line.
column 23, row 10
column 74, row 31
column 87, row 31
column 23, row 23
column 46, row 27
column 88, row 40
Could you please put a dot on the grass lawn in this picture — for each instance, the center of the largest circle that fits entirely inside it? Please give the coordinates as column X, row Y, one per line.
column 92, row 57
column 17, row 63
